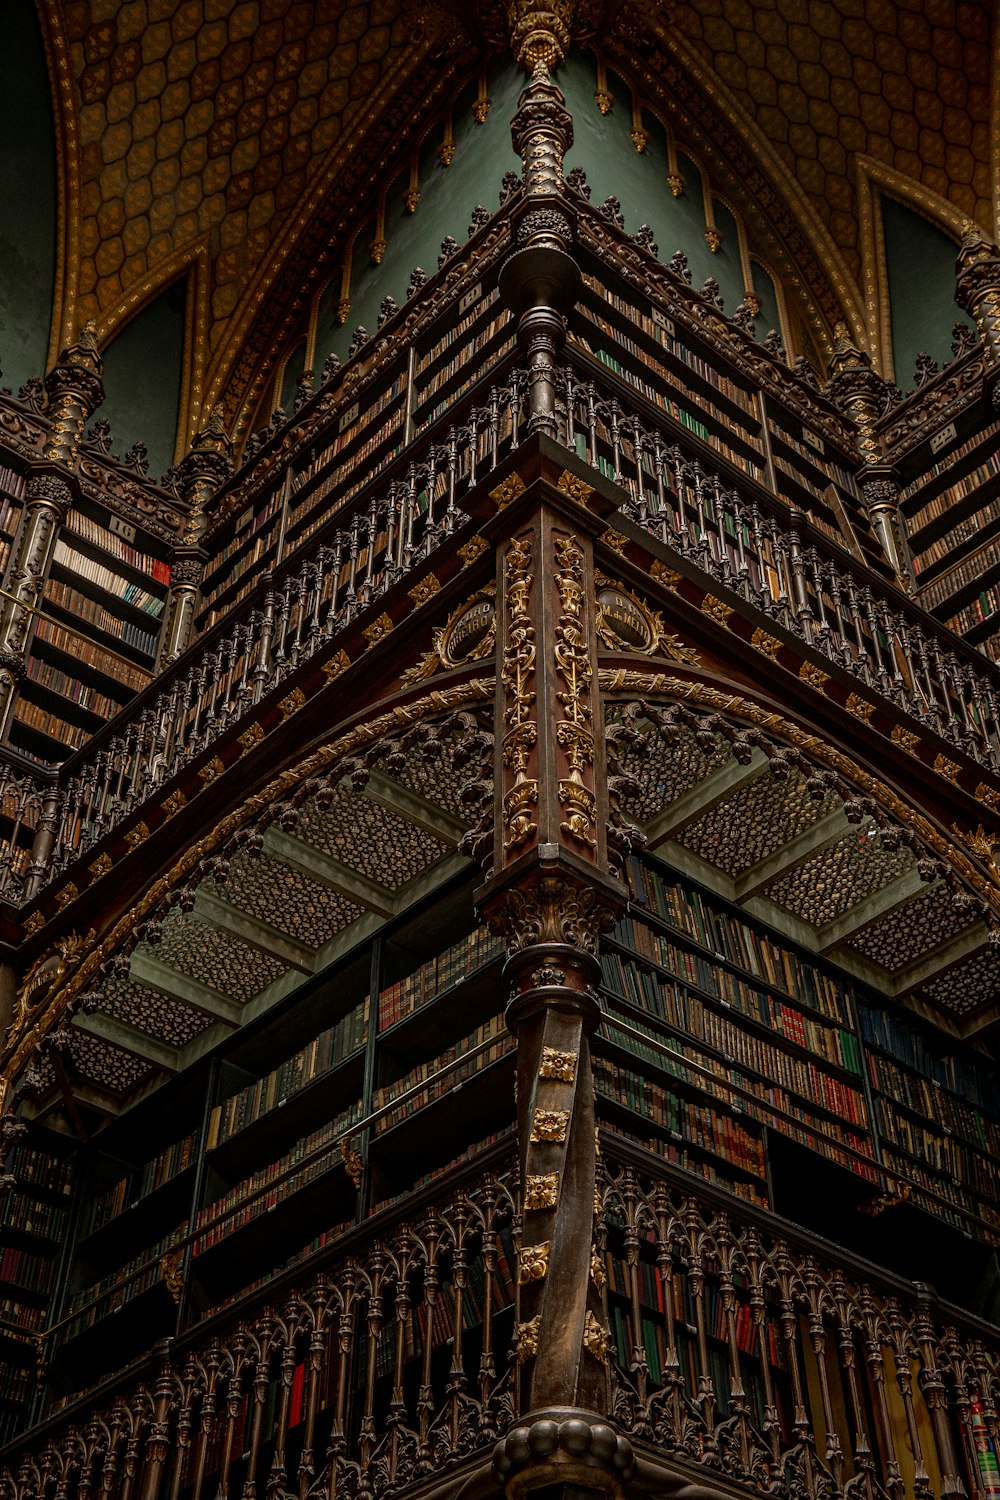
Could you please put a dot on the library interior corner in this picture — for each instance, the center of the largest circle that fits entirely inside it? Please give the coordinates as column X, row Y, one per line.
column 500, row 750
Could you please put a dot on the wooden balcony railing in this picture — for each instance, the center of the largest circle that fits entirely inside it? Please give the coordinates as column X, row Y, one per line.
column 740, row 1351
column 763, row 553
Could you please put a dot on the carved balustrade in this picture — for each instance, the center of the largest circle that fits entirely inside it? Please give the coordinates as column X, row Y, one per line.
column 743, row 1353
column 770, row 557
column 778, row 563
column 392, row 526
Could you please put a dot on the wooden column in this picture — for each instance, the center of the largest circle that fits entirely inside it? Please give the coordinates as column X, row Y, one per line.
column 74, row 393
column 860, row 393
column 551, row 895
column 202, row 472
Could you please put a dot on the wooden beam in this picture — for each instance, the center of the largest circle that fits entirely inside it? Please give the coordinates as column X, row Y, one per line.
column 415, row 809
column 939, row 960
column 693, row 804
column 879, row 904
column 824, row 832
column 130, row 1039
column 214, row 912
column 212, row 1003
column 329, row 872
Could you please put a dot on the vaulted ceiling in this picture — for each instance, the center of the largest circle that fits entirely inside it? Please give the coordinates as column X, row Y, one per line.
column 234, row 138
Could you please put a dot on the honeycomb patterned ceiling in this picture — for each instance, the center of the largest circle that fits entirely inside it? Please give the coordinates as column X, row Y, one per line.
column 236, row 136
column 905, row 83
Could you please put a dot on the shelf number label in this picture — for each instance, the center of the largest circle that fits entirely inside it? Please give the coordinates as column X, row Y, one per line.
column 350, row 415
column 942, row 439
column 661, row 320
column 815, row 443
column 471, row 297
column 121, row 528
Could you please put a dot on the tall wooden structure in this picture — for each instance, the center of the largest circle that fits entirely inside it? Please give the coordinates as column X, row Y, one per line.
column 507, row 1004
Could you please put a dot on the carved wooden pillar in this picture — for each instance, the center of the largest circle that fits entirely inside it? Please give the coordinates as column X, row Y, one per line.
column 540, row 280
column 551, row 894
column 201, row 473
column 978, row 293
column 860, row 393
column 74, row 393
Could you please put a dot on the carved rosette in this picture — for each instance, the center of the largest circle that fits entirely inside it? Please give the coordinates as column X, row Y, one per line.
column 978, row 287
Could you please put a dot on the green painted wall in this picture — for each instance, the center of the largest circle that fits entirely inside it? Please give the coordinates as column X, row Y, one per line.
column 764, row 287
column 602, row 146
column 920, row 261
column 483, row 153
column 28, row 194
column 142, row 379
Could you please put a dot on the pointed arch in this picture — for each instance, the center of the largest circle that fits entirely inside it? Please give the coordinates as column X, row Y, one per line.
column 681, row 67
column 193, row 263
column 874, row 179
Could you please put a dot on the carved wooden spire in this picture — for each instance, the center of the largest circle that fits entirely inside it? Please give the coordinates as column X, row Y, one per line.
column 860, row 393
column 978, row 288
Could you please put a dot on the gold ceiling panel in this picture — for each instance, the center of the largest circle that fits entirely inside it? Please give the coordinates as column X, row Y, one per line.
column 905, row 84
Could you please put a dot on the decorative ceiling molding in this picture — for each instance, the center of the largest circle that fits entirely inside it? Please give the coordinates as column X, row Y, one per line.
column 64, row 326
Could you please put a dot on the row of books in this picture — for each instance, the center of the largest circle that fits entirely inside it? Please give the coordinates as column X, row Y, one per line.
column 64, row 596
column 317, row 1243
column 442, row 1075
column 82, row 650
column 119, row 1287
column 835, row 472
column 937, row 1187
column 115, row 546
column 928, row 1099
column 942, row 1153
column 738, row 458
column 52, row 725
column 300, row 1070
column 983, row 607
column 663, row 331
column 459, row 332
column 31, row 1215
column 835, row 1043
column 264, row 1189
column 16, row 1384
column 24, row 1315
column 247, row 526
column 454, row 964
column 243, row 564
column 970, row 1078
column 819, row 518
column 83, row 694
column 25, row 1269
column 13, row 486
column 698, row 1124
column 468, row 1152
column 344, row 480
column 625, row 343
column 79, row 565
column 728, row 938
column 754, row 1190
column 465, row 348
column 970, row 528
column 947, row 464
column 689, row 1014
column 31, row 1167
column 139, row 1183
